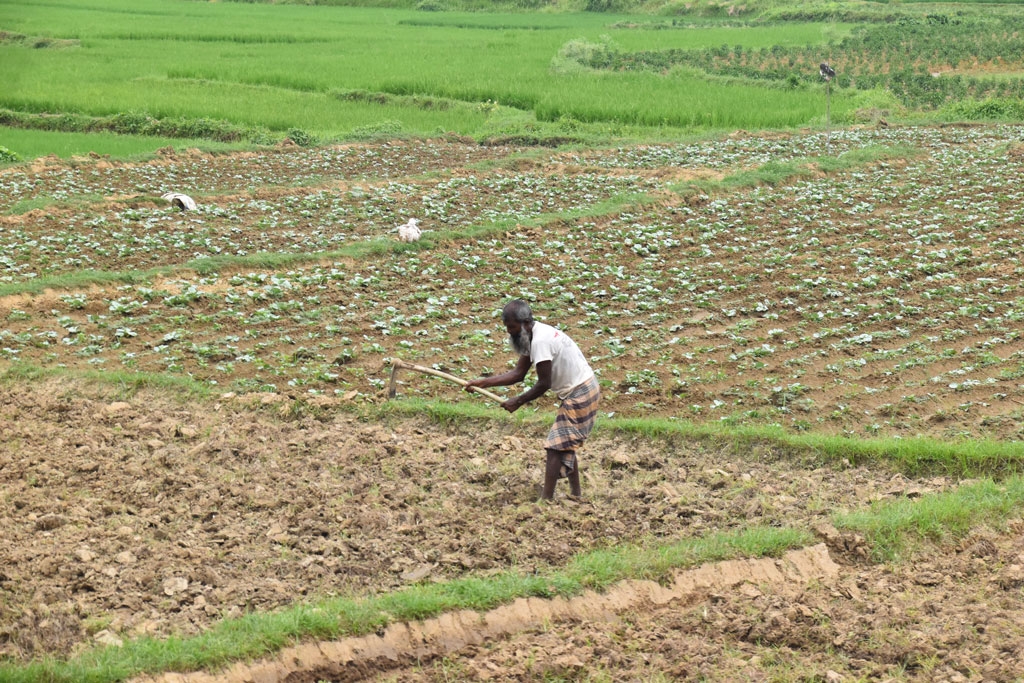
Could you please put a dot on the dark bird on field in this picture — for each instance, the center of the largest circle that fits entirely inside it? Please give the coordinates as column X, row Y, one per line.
column 827, row 72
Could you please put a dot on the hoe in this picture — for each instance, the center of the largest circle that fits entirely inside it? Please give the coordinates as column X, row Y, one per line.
column 397, row 365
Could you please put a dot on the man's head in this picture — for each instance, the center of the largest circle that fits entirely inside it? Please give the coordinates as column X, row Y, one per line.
column 518, row 319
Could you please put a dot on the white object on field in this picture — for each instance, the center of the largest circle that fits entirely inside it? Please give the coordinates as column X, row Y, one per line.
column 182, row 201
column 409, row 232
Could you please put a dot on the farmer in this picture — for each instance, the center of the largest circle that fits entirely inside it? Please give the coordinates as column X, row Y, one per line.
column 561, row 367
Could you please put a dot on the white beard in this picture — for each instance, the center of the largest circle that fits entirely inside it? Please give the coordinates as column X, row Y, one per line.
column 521, row 342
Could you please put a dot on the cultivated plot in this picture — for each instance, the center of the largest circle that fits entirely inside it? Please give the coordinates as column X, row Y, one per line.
column 878, row 301
column 151, row 516
column 49, row 181
column 920, row 621
column 117, row 236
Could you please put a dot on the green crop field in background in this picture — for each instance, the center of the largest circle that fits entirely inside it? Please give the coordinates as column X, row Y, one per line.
column 327, row 71
column 283, row 66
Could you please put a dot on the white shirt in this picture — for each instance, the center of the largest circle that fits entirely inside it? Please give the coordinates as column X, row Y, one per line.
column 569, row 368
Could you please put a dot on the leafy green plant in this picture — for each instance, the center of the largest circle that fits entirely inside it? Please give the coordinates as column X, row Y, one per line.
column 7, row 156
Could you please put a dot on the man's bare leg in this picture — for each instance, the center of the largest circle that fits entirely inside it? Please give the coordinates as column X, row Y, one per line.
column 554, row 466
column 574, row 480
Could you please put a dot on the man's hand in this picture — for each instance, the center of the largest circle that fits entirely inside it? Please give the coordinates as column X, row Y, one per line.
column 468, row 386
column 512, row 405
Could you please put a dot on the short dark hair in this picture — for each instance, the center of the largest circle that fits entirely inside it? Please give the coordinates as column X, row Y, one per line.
column 518, row 311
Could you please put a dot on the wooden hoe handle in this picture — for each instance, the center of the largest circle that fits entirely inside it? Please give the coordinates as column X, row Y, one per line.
column 397, row 365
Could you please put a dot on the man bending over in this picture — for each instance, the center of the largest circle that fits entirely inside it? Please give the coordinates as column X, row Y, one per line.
column 562, row 368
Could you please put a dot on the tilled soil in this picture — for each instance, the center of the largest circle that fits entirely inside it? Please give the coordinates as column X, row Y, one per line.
column 146, row 515
column 400, row 644
column 956, row 614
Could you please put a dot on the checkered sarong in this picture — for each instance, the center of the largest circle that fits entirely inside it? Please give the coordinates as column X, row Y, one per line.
column 574, row 422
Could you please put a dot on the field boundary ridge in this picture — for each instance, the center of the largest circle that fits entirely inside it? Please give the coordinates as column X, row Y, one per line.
column 405, row 643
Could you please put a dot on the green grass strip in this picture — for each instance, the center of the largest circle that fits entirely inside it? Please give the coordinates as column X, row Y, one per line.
column 23, row 206
column 261, row 634
column 141, row 123
column 896, row 528
column 914, row 457
column 128, row 383
column 777, row 173
column 82, row 279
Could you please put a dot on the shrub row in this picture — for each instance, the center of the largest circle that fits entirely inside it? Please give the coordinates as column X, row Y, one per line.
column 141, row 123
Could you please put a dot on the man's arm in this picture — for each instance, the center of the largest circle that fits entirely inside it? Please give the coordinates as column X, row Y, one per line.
column 536, row 391
column 513, row 376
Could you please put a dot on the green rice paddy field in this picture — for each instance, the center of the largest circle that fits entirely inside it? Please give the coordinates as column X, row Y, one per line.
column 334, row 72
column 343, row 71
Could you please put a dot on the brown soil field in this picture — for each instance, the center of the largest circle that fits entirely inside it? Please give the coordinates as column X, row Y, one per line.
column 951, row 614
column 153, row 516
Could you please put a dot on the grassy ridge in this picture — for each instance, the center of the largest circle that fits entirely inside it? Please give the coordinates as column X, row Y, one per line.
column 127, row 383
column 914, row 457
column 31, row 144
column 777, row 173
column 894, row 529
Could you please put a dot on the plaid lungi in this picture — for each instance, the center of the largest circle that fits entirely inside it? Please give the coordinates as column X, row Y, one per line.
column 574, row 422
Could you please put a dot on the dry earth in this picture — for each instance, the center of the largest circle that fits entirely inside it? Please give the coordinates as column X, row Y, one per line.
column 955, row 614
column 951, row 614
column 402, row 643
column 146, row 515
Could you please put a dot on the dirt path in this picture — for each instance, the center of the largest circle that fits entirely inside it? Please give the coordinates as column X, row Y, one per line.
column 405, row 643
